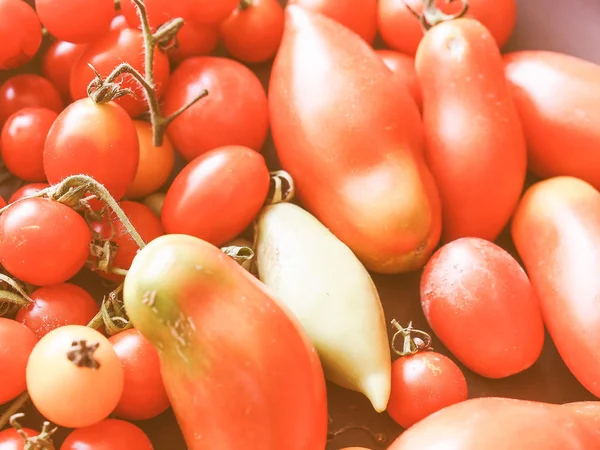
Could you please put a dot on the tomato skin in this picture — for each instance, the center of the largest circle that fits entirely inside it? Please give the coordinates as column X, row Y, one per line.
column 217, row 195
column 422, row 384
column 404, row 67
column 16, row 343
column 21, row 35
column 402, row 31
column 194, row 40
column 43, row 242
column 22, row 142
column 144, row 395
column 481, row 305
column 106, row 53
column 27, row 190
column 556, row 230
column 57, row 63
column 10, row 439
column 253, row 35
column 98, row 140
column 109, row 434
column 235, row 111
column 383, row 203
column 209, row 12
column 360, row 15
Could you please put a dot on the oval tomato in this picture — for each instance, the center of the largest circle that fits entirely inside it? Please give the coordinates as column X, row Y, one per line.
column 217, row 195
column 16, row 343
column 21, row 34
column 194, row 40
column 235, row 110
column 109, row 434
column 27, row 190
column 209, row 12
column 57, row 63
column 98, row 140
column 404, row 67
column 74, row 376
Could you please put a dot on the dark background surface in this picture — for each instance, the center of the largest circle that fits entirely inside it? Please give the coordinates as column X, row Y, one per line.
column 569, row 26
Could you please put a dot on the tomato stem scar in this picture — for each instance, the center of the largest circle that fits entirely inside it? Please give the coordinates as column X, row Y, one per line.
column 413, row 340
column 82, row 354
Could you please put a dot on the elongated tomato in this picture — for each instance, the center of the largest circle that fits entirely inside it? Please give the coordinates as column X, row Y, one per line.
column 556, row 230
column 475, row 145
column 558, row 99
column 347, row 130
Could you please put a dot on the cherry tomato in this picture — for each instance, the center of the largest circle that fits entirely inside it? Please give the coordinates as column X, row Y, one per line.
column 98, row 140
column 110, row 434
column 210, row 12
column 74, row 377
column 57, row 63
column 194, row 40
column 422, row 384
column 56, row 306
column 119, row 22
column 43, row 242
column 253, row 31
column 217, row 195
column 16, row 343
column 403, row 66
column 22, row 142
column 359, row 15
column 158, row 11
column 20, row 34
column 10, row 439
column 144, row 395
column 27, row 190
column 115, row 47
column 22, row 91
column 155, row 165
column 235, row 112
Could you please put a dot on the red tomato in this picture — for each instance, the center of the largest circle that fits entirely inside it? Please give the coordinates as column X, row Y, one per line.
column 57, row 63
column 359, row 15
column 480, row 304
column 235, row 111
column 144, row 395
column 27, row 190
column 556, row 230
column 98, row 140
column 159, row 12
column 422, row 384
column 209, row 12
column 401, row 30
column 22, row 142
column 56, row 306
column 119, row 22
column 253, row 31
column 403, row 66
column 16, row 343
column 21, row 34
column 556, row 96
column 194, row 40
column 2, row 202
column 110, row 434
column 10, row 439
column 27, row 90
column 217, row 195
column 115, row 47
column 43, row 242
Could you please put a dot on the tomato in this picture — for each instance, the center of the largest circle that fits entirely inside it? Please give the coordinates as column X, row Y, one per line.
column 10, row 439
column 209, row 12
column 403, row 66
column 27, row 190
column 57, row 63
column 159, row 12
column 144, row 395
column 401, row 30
column 235, row 111
column 2, row 202
column 106, row 53
column 557, row 99
column 143, row 220
column 382, row 203
column 217, row 195
column 186, row 310
column 98, row 140
column 56, row 306
column 43, row 242
column 119, row 22
column 556, row 230
column 27, row 90
column 110, row 434
column 253, row 31
column 74, row 376
column 155, row 202
column 16, row 343
column 22, row 142
column 480, row 304
column 194, row 40
column 155, row 165
column 92, row 18
column 360, row 15
column 21, row 34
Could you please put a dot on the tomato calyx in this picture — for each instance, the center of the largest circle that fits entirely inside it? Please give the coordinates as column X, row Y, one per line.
column 82, row 354
column 281, row 188
column 414, row 341
column 42, row 441
column 13, row 297
column 432, row 15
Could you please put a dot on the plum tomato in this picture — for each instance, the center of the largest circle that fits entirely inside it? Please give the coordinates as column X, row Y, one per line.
column 27, row 190
column 57, row 63
column 16, row 343
column 194, row 40
column 109, row 434
column 210, row 12
column 20, row 34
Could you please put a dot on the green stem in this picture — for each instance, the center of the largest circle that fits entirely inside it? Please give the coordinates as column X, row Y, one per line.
column 413, row 341
column 13, row 408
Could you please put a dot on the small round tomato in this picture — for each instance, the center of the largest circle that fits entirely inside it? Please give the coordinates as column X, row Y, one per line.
column 10, row 439
column 43, row 242
column 74, row 377
column 22, row 142
column 110, row 434
column 27, row 190
column 404, row 67
column 210, row 12
column 114, row 48
column 144, row 395
column 98, row 140
column 16, row 343
column 158, row 11
column 217, row 195
column 194, row 40
column 20, row 34
column 57, row 63
column 155, row 165
column 56, row 306
column 235, row 111
column 27, row 90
